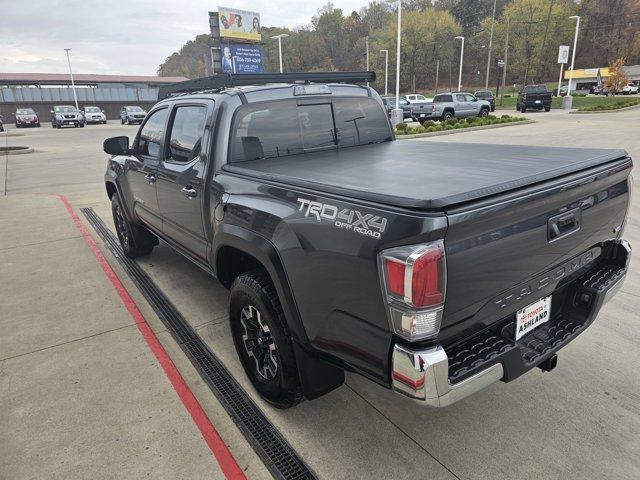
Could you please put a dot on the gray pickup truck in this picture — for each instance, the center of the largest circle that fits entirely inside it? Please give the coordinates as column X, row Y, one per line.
column 459, row 105
column 434, row 269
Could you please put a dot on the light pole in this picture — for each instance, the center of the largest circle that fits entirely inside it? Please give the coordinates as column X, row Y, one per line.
column 73, row 85
column 493, row 21
column 567, row 101
column 386, row 71
column 461, row 56
column 367, row 42
column 280, row 37
column 396, row 114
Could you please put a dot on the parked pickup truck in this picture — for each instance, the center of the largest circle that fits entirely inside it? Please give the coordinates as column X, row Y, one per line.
column 459, row 105
column 432, row 269
column 534, row 96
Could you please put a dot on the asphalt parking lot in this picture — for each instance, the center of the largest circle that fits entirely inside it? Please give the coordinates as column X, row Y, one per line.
column 86, row 393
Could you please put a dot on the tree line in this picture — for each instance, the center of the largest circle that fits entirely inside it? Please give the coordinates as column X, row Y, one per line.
column 335, row 40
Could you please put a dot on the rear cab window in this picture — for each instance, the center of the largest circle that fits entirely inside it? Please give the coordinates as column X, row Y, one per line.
column 442, row 98
column 290, row 127
column 535, row 89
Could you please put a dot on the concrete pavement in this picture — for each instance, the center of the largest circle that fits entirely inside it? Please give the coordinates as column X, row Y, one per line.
column 581, row 421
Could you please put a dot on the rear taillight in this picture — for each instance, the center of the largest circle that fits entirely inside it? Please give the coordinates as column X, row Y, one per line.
column 414, row 281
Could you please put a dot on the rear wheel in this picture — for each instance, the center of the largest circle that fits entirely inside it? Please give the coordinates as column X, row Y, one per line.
column 523, row 109
column 483, row 112
column 262, row 340
column 134, row 239
column 447, row 115
column 547, row 109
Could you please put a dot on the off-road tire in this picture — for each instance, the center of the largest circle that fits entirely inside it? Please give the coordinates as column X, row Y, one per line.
column 134, row 239
column 547, row 109
column 255, row 289
column 483, row 112
column 523, row 109
column 447, row 115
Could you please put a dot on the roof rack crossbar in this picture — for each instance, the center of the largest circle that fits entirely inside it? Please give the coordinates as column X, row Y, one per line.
column 225, row 80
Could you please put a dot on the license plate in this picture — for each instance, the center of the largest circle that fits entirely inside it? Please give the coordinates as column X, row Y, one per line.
column 532, row 316
column 421, row 115
column 538, row 101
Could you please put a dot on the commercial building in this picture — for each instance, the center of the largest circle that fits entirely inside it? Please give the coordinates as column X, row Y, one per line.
column 41, row 91
column 585, row 78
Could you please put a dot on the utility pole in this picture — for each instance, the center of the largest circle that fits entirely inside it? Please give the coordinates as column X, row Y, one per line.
column 73, row 85
column 437, row 72
column 367, row 43
column 506, row 60
column 493, row 21
column 386, row 71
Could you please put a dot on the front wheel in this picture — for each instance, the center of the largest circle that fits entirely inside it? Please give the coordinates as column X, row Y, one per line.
column 262, row 340
column 523, row 109
column 134, row 239
column 547, row 109
column 483, row 112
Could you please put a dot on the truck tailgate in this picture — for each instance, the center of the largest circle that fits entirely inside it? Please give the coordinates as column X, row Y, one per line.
column 497, row 251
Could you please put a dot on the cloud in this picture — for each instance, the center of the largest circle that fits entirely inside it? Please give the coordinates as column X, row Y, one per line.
column 121, row 37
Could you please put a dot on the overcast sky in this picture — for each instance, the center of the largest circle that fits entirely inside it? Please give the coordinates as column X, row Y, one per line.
column 122, row 37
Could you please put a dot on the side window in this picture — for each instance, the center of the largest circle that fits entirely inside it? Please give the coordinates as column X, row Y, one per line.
column 469, row 98
column 150, row 139
column 460, row 97
column 185, row 140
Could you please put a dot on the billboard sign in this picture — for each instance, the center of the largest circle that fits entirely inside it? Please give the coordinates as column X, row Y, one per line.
column 242, row 58
column 240, row 24
column 563, row 54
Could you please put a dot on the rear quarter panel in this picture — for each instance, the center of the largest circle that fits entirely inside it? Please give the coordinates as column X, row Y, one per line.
column 332, row 270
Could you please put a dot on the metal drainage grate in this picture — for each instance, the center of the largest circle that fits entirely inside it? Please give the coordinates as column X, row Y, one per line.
column 277, row 455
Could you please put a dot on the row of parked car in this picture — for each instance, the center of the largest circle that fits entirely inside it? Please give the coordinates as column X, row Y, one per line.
column 68, row 115
column 443, row 106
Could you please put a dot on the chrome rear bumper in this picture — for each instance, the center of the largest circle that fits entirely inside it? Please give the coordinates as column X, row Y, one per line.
column 424, row 375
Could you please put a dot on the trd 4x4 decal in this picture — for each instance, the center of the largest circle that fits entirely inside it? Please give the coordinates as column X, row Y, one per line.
column 362, row 223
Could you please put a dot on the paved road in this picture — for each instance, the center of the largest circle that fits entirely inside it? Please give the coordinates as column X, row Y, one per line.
column 581, row 421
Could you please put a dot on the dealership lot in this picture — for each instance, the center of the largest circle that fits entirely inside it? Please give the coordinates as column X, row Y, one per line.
column 85, row 395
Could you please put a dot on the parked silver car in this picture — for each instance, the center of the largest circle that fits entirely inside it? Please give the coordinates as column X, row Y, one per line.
column 93, row 115
column 132, row 114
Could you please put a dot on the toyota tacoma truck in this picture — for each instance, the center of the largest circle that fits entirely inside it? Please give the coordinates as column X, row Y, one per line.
column 433, row 269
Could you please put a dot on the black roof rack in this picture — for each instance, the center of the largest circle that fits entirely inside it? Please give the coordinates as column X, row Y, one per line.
column 226, row 80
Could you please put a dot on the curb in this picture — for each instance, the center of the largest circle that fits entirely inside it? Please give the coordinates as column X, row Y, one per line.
column 459, row 130
column 632, row 107
column 16, row 152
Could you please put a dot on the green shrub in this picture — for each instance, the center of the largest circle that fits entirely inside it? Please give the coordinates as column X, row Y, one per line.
column 428, row 123
column 451, row 121
column 491, row 117
column 506, row 116
column 419, row 129
column 471, row 120
column 402, row 127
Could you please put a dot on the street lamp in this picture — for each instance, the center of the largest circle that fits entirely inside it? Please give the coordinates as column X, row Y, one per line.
column 280, row 37
column 386, row 70
column 461, row 56
column 493, row 21
column 73, row 85
column 567, row 101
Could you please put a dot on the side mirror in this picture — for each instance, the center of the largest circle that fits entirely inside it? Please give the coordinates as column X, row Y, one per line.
column 117, row 146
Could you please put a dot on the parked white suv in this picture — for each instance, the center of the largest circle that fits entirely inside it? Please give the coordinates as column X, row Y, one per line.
column 630, row 89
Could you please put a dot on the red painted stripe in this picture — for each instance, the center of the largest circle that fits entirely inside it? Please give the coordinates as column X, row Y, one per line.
column 225, row 459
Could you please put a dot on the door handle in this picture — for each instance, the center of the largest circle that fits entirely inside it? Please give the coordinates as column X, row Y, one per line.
column 151, row 178
column 189, row 192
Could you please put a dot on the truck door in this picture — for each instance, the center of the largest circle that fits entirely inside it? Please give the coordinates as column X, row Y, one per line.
column 474, row 104
column 462, row 105
column 181, row 176
column 142, row 165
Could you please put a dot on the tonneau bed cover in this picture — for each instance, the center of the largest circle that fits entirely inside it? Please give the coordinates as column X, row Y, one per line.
column 425, row 175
